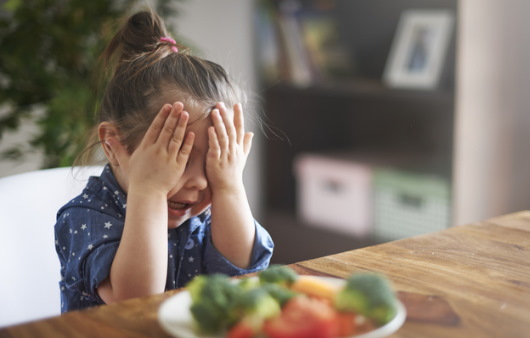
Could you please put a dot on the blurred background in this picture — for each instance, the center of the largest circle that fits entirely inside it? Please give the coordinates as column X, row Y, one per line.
column 380, row 119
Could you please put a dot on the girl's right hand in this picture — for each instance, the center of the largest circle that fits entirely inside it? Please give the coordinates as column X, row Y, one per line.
column 148, row 175
column 158, row 163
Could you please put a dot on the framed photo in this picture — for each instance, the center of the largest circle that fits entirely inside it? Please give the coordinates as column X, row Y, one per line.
column 419, row 49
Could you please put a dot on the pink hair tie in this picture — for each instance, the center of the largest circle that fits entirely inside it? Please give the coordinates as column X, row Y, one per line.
column 172, row 42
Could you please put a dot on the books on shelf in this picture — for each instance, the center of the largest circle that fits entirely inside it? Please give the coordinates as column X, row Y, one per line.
column 268, row 47
column 299, row 44
column 296, row 55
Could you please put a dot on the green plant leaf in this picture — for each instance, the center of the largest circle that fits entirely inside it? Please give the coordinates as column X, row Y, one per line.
column 12, row 5
column 48, row 73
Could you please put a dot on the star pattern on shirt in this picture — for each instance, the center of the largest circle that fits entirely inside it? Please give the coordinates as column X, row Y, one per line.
column 83, row 227
column 108, row 225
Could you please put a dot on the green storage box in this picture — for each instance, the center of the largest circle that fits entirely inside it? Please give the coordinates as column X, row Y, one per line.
column 408, row 204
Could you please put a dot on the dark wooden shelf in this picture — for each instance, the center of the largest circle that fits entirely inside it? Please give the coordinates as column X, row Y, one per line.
column 352, row 113
column 296, row 241
column 360, row 88
column 391, row 123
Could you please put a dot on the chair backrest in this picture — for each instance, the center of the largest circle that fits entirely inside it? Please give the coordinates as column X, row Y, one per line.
column 29, row 286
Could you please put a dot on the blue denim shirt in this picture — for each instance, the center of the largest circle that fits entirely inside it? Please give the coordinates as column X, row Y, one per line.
column 89, row 229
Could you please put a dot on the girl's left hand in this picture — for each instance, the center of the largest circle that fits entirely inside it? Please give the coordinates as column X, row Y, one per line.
column 229, row 146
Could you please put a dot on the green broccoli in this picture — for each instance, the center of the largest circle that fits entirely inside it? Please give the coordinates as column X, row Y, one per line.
column 247, row 283
column 213, row 299
column 370, row 295
column 281, row 293
column 253, row 306
column 256, row 302
column 195, row 287
column 279, row 274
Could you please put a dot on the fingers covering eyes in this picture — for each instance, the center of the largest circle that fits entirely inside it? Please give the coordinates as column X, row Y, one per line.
column 220, row 129
column 185, row 150
column 178, row 134
column 239, row 123
column 151, row 136
column 173, row 125
column 213, row 143
column 168, row 131
column 229, row 129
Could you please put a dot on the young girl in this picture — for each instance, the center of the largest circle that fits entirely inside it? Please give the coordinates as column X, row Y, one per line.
column 170, row 204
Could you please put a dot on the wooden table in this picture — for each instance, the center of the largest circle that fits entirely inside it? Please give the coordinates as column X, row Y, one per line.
column 466, row 281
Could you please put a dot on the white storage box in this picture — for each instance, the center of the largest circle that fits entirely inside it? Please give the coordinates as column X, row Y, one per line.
column 334, row 193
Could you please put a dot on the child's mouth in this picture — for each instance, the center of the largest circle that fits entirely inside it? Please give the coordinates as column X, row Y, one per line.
column 179, row 209
column 178, row 206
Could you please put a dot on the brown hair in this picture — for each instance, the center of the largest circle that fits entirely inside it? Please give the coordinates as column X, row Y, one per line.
column 146, row 68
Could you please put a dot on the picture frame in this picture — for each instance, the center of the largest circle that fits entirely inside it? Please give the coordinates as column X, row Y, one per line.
column 419, row 49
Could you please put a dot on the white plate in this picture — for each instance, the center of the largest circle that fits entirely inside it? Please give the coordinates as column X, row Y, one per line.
column 175, row 317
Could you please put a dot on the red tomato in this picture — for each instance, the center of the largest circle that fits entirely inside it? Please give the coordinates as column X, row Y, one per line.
column 241, row 330
column 346, row 324
column 303, row 317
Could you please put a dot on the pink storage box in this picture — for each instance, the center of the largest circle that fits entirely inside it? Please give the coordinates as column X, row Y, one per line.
column 334, row 194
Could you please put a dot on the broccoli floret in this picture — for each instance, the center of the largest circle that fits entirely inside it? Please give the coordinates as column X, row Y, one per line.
column 281, row 293
column 254, row 306
column 370, row 295
column 213, row 299
column 247, row 283
column 279, row 274
column 256, row 302
column 195, row 287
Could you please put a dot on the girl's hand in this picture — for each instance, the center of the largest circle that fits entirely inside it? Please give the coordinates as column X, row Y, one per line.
column 159, row 161
column 232, row 221
column 149, row 175
column 229, row 146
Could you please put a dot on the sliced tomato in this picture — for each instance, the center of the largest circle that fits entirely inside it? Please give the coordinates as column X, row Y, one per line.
column 346, row 324
column 241, row 330
column 303, row 317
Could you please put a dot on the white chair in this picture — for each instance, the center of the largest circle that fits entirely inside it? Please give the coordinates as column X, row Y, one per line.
column 29, row 282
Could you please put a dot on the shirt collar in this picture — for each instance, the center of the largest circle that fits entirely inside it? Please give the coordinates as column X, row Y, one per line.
column 108, row 180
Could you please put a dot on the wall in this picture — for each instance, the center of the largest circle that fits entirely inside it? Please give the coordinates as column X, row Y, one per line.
column 492, row 167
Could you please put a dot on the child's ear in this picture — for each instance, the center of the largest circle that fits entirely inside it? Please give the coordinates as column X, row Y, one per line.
column 107, row 130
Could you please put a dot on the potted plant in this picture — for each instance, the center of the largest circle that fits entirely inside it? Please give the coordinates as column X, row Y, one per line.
column 48, row 66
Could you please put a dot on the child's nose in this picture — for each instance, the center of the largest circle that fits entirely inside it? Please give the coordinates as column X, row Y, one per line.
column 197, row 179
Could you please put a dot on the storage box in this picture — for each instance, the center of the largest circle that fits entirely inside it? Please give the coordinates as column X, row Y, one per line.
column 408, row 204
column 334, row 194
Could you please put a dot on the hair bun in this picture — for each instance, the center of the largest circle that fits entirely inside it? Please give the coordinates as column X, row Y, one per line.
column 140, row 34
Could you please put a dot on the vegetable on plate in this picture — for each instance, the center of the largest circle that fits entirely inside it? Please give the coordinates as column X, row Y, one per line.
column 279, row 303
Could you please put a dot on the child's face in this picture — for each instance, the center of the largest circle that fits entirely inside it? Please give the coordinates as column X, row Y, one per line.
column 193, row 194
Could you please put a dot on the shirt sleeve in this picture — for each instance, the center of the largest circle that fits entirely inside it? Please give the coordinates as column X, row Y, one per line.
column 262, row 250
column 88, row 246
